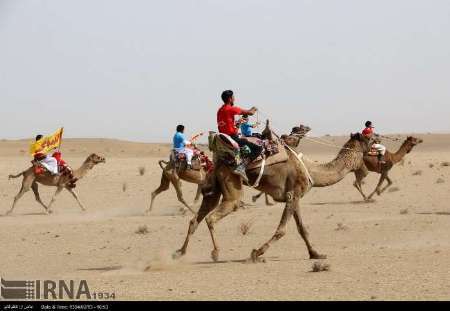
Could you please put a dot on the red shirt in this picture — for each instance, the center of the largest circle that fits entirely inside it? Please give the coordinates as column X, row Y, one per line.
column 59, row 160
column 368, row 131
column 225, row 119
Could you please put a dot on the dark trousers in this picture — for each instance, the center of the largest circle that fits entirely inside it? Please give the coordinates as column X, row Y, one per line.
column 255, row 149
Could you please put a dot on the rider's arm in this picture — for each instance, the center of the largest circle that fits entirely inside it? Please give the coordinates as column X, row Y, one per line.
column 250, row 112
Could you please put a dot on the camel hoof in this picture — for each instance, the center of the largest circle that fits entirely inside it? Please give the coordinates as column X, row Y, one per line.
column 254, row 257
column 177, row 255
column 315, row 255
column 215, row 255
column 254, row 199
column 49, row 212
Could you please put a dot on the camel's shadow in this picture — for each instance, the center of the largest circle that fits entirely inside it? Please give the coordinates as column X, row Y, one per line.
column 361, row 202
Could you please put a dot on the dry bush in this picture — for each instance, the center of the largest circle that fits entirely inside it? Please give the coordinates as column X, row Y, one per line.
column 245, row 227
column 320, row 267
column 404, row 211
column 431, row 165
column 142, row 170
column 445, row 164
column 394, row 189
column 341, row 227
column 124, row 187
column 142, row 230
column 440, row 181
column 417, row 173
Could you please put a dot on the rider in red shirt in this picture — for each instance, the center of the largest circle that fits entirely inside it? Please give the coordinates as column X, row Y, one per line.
column 227, row 125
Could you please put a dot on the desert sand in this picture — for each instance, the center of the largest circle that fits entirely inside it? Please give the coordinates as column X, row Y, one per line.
column 396, row 248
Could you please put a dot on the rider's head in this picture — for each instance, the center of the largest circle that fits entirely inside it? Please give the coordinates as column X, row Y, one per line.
column 180, row 128
column 228, row 97
column 245, row 117
column 39, row 137
column 369, row 124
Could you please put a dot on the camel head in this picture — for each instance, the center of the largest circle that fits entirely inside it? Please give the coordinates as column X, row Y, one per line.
column 411, row 142
column 297, row 133
column 95, row 159
column 267, row 132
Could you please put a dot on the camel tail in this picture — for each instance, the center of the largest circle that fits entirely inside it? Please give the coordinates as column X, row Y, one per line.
column 16, row 176
column 161, row 164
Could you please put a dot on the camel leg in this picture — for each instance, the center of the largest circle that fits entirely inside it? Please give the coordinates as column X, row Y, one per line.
column 177, row 184
column 26, row 186
column 380, row 182
column 164, row 186
column 208, row 204
column 256, row 197
column 198, row 194
column 57, row 192
column 387, row 186
column 360, row 175
column 74, row 194
column 35, row 189
column 313, row 254
column 281, row 230
column 268, row 203
column 225, row 208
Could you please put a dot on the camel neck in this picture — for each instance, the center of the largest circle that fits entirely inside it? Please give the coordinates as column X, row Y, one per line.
column 327, row 174
column 83, row 169
column 400, row 154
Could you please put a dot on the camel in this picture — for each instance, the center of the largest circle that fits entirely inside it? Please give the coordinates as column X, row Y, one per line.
column 286, row 182
column 349, row 159
column 31, row 181
column 372, row 165
column 173, row 176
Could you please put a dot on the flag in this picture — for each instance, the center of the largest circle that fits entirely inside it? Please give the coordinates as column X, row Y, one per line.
column 47, row 144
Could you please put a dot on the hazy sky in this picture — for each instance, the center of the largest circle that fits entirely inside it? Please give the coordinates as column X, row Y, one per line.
column 135, row 69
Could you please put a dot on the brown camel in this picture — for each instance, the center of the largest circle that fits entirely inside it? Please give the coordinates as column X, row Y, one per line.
column 31, row 181
column 172, row 176
column 349, row 159
column 372, row 164
column 286, row 182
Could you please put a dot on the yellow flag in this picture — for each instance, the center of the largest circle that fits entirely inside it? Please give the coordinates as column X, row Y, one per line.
column 47, row 144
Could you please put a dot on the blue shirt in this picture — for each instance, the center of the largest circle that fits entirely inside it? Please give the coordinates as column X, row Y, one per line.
column 246, row 129
column 179, row 141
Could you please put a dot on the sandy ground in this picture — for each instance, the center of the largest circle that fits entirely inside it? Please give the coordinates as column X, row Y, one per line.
column 397, row 248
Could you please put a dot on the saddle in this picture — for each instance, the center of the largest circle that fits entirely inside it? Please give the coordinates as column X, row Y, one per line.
column 199, row 160
column 228, row 151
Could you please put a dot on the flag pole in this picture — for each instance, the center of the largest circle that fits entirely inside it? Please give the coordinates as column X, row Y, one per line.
column 60, row 140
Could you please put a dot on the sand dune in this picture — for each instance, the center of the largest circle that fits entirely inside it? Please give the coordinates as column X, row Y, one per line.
column 394, row 248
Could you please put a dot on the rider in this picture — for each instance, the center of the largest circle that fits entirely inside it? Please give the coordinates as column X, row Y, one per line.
column 247, row 127
column 369, row 132
column 65, row 169
column 46, row 160
column 226, row 124
column 180, row 144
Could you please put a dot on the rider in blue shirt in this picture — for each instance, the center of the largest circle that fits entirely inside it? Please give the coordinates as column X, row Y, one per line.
column 180, row 144
column 246, row 126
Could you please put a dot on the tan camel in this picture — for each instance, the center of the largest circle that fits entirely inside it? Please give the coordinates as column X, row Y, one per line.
column 286, row 182
column 372, row 164
column 172, row 176
column 31, row 181
column 349, row 159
